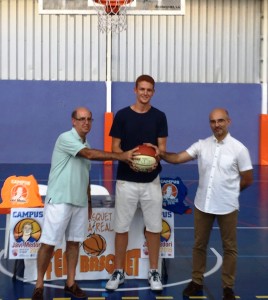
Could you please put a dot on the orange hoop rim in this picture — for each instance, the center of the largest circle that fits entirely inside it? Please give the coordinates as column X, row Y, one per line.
column 113, row 6
column 113, row 2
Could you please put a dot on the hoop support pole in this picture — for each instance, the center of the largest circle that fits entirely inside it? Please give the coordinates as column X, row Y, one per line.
column 263, row 154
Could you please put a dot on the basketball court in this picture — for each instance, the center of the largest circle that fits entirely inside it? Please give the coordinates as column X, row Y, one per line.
column 252, row 268
column 76, row 69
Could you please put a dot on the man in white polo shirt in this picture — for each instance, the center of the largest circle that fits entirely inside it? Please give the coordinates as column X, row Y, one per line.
column 225, row 170
column 68, row 201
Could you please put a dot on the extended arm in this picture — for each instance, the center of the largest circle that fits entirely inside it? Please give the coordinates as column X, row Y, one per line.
column 175, row 158
column 94, row 154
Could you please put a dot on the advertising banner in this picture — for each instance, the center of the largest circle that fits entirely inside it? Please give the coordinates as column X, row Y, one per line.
column 96, row 259
column 25, row 232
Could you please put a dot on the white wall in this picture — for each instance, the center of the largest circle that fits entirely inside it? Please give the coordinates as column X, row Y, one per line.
column 216, row 41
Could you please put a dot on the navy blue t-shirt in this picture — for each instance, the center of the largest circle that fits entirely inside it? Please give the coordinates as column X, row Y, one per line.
column 135, row 129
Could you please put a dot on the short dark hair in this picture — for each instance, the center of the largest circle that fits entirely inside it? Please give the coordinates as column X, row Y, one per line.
column 147, row 78
column 74, row 114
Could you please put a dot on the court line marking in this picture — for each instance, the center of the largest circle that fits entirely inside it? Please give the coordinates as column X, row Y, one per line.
column 210, row 272
column 247, row 228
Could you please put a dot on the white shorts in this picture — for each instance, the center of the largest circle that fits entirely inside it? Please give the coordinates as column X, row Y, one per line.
column 131, row 194
column 64, row 221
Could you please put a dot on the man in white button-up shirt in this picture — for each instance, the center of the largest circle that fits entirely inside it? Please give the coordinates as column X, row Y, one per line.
column 225, row 169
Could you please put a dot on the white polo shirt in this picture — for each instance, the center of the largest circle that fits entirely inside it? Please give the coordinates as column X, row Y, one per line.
column 219, row 164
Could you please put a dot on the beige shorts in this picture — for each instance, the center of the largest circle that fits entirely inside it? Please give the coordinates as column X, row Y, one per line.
column 64, row 222
column 131, row 194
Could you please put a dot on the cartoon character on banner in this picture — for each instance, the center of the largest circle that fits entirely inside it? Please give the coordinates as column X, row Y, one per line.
column 27, row 231
column 174, row 192
column 19, row 193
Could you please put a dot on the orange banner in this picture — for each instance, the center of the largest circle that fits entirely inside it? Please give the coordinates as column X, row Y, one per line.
column 263, row 152
column 108, row 120
column 20, row 191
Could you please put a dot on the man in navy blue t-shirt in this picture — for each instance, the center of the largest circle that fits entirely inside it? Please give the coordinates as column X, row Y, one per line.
column 134, row 125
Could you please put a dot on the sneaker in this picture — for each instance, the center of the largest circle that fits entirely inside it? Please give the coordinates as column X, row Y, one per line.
column 75, row 291
column 192, row 289
column 155, row 281
column 116, row 279
column 228, row 294
column 38, row 294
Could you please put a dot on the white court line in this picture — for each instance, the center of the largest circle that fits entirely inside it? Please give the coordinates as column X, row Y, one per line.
column 210, row 272
column 250, row 228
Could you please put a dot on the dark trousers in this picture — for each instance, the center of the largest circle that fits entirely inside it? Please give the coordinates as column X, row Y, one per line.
column 203, row 223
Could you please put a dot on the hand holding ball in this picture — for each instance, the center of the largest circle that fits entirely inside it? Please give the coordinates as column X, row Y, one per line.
column 145, row 160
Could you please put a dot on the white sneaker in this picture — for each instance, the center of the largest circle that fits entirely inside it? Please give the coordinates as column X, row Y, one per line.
column 116, row 279
column 155, row 281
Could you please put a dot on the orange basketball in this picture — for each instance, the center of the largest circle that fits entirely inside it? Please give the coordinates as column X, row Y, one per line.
column 146, row 150
column 166, row 231
column 94, row 245
column 145, row 160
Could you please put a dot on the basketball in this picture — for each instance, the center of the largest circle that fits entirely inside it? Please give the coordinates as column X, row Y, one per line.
column 146, row 159
column 166, row 231
column 94, row 245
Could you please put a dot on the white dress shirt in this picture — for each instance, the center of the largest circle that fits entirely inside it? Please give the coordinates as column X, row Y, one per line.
column 219, row 164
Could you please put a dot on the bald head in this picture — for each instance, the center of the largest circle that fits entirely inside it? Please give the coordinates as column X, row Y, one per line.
column 219, row 122
column 79, row 110
column 221, row 111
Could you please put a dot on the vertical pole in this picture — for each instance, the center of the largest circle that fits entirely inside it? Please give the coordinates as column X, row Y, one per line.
column 263, row 143
column 108, row 70
column 108, row 118
column 264, row 53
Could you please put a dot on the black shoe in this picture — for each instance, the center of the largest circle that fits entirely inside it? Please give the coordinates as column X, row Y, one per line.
column 75, row 291
column 38, row 294
column 193, row 289
column 228, row 294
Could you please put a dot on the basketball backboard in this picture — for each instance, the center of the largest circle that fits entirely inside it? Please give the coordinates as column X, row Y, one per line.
column 137, row 7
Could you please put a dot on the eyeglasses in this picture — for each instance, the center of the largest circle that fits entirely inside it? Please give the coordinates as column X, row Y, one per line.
column 219, row 121
column 83, row 120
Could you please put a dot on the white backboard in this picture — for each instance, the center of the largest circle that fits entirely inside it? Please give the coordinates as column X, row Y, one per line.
column 137, row 7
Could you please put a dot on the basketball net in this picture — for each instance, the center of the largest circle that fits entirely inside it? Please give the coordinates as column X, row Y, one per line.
column 111, row 14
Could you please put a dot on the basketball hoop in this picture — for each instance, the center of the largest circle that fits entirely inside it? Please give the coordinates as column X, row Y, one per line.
column 111, row 14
